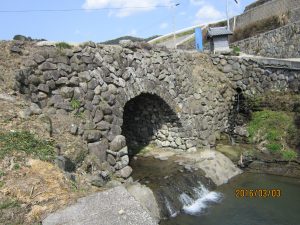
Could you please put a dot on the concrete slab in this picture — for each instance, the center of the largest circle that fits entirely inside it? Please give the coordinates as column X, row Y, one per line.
column 113, row 207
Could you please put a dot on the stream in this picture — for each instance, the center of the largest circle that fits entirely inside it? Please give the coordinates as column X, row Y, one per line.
column 188, row 198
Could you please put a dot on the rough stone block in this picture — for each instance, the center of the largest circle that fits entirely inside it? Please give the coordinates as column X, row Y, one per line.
column 125, row 172
column 98, row 149
column 92, row 135
column 118, row 143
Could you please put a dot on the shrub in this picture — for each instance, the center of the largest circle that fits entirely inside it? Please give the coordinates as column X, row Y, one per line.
column 63, row 45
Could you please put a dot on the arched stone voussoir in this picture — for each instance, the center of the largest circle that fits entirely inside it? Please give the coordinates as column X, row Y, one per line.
column 147, row 86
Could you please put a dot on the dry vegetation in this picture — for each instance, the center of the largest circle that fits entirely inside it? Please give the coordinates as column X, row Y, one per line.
column 31, row 185
column 259, row 27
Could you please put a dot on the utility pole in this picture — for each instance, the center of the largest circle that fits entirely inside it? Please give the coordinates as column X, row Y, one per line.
column 227, row 12
column 174, row 24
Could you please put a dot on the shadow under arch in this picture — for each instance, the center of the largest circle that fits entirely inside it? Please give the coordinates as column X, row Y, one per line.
column 147, row 119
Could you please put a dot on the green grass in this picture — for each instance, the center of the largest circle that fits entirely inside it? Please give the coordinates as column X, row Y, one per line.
column 9, row 204
column 63, row 45
column 289, row 155
column 16, row 166
column 25, row 142
column 274, row 147
column 75, row 104
column 1, row 184
column 236, row 50
column 275, row 128
column 273, row 124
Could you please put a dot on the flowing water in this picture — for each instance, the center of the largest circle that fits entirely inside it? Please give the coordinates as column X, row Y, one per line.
column 175, row 189
column 187, row 198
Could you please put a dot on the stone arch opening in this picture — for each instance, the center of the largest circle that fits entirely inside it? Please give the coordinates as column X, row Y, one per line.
column 148, row 119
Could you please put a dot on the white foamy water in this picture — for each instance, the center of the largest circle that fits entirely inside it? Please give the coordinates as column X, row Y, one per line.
column 185, row 199
column 205, row 197
column 171, row 210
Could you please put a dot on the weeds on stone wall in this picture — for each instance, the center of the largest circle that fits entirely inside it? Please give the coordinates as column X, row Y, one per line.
column 63, row 45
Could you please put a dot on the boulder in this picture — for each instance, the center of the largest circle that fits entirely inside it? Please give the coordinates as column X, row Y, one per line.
column 227, row 68
column 111, row 160
column 98, row 149
column 67, row 92
column 145, row 196
column 65, row 163
column 35, row 109
column 47, row 66
column 73, row 129
column 97, row 181
column 125, row 172
column 118, row 143
column 127, row 44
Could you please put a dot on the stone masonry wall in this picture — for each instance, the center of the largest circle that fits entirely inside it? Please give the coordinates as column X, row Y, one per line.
column 283, row 42
column 255, row 78
column 97, row 81
column 148, row 119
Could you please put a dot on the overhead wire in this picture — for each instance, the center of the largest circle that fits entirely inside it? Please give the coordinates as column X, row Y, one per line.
column 82, row 9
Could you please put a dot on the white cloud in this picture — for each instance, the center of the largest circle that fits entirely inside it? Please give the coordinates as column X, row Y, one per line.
column 127, row 7
column 183, row 13
column 208, row 13
column 163, row 25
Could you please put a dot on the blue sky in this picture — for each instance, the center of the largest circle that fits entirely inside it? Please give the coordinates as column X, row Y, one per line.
column 141, row 18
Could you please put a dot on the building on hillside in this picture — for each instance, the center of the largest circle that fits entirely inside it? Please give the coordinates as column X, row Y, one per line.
column 219, row 39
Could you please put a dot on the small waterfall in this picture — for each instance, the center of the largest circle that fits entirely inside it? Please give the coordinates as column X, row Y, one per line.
column 185, row 193
column 176, row 189
column 185, row 199
column 171, row 210
column 205, row 198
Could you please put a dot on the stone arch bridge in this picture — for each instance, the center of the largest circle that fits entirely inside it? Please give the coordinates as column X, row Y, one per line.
column 139, row 94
